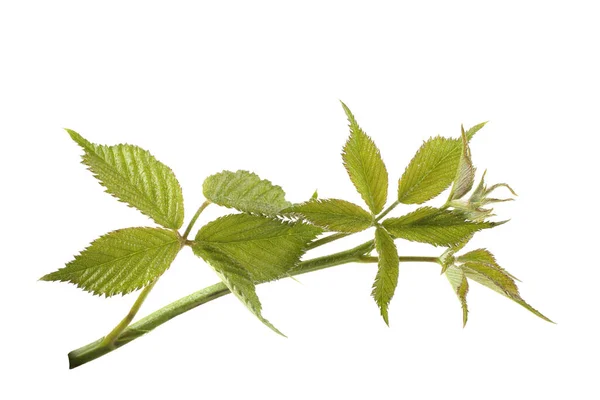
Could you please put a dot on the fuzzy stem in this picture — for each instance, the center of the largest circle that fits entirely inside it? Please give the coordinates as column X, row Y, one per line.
column 194, row 219
column 99, row 348
column 387, row 211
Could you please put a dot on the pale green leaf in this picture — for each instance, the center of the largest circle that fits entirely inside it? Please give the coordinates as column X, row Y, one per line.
column 432, row 169
column 364, row 165
column 497, row 279
column 335, row 215
column 237, row 279
column 245, row 191
column 465, row 174
column 483, row 256
column 121, row 261
column 134, row 176
column 268, row 248
column 386, row 279
column 458, row 280
column 438, row 227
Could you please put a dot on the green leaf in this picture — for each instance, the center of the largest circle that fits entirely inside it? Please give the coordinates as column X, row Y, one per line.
column 465, row 174
column 335, row 215
column 386, row 279
column 365, row 166
column 237, row 279
column 483, row 256
column 497, row 279
column 435, row 226
column 246, row 192
column 268, row 248
column 432, row 169
column 121, row 261
column 135, row 177
column 458, row 280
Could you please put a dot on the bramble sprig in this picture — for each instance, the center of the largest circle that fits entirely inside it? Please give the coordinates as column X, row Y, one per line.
column 268, row 236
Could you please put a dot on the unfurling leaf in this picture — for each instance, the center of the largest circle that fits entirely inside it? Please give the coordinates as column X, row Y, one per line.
column 335, row 215
column 465, row 174
column 365, row 166
column 386, row 279
column 134, row 176
column 246, row 192
column 478, row 267
column 438, row 227
column 432, row 169
column 458, row 280
column 268, row 248
column 121, row 261
column 237, row 279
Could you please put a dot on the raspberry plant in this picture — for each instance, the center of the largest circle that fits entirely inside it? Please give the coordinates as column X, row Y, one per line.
column 266, row 238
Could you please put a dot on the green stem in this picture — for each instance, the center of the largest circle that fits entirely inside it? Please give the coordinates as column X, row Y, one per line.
column 327, row 239
column 194, row 219
column 387, row 211
column 109, row 340
column 372, row 259
column 99, row 348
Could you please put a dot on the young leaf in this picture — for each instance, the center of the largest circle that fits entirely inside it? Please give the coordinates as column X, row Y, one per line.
column 134, row 176
column 432, row 169
column 268, row 248
column 237, row 279
column 497, row 279
column 335, row 215
column 483, row 256
column 434, row 226
column 386, row 279
column 246, row 192
column 121, row 261
column 465, row 174
column 365, row 166
column 458, row 280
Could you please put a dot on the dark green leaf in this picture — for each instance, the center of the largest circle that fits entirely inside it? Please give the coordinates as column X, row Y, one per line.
column 365, row 166
column 246, row 192
column 268, row 248
column 434, row 226
column 335, row 215
column 134, row 176
column 386, row 279
column 121, row 261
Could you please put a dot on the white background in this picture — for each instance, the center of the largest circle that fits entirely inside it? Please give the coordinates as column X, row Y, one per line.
column 207, row 86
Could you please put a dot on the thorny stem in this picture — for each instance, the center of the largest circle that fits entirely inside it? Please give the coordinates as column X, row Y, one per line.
column 194, row 219
column 101, row 347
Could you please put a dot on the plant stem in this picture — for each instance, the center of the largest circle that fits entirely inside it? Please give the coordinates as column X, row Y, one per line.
column 387, row 211
column 327, row 239
column 109, row 339
column 194, row 219
column 99, row 348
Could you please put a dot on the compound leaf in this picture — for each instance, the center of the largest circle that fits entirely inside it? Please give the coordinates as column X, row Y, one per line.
column 237, row 279
column 268, row 248
column 439, row 227
column 386, row 279
column 135, row 177
column 121, row 261
column 246, row 192
column 365, row 167
column 335, row 215
column 458, row 280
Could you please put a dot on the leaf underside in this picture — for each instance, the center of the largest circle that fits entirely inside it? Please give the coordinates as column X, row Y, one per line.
column 465, row 174
column 134, row 176
column 335, row 215
column 268, row 248
column 458, row 280
column 434, row 226
column 386, row 279
column 365, row 166
column 121, row 261
column 237, row 279
column 246, row 192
